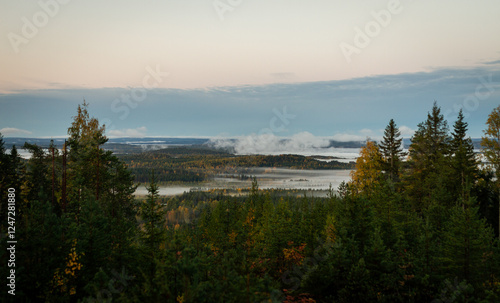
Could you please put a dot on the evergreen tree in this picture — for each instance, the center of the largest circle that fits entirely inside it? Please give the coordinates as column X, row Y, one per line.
column 429, row 165
column 464, row 160
column 100, row 200
column 152, row 214
column 392, row 151
column 491, row 147
column 10, row 177
column 37, row 175
column 467, row 244
column 85, row 165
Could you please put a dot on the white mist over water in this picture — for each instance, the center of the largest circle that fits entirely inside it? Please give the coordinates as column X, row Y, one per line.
column 303, row 143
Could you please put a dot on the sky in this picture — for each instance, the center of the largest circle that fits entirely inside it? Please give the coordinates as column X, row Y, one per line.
column 240, row 68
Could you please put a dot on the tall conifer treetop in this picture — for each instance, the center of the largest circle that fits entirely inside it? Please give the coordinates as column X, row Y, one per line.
column 392, row 150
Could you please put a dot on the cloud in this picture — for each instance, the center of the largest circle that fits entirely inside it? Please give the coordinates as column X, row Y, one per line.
column 322, row 108
column 345, row 137
column 139, row 132
column 361, row 135
column 272, row 144
column 11, row 131
column 406, row 131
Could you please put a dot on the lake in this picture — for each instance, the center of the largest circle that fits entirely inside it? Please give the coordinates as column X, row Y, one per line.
column 267, row 178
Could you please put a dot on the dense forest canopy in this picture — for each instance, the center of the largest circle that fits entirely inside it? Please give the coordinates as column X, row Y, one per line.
column 196, row 165
column 416, row 227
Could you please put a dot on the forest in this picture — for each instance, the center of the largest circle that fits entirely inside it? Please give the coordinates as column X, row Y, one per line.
column 421, row 226
column 191, row 164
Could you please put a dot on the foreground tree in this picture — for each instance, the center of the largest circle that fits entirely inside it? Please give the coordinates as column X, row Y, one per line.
column 429, row 165
column 367, row 174
column 392, row 151
column 464, row 160
column 100, row 201
column 467, row 244
column 37, row 175
column 10, row 177
column 153, row 233
column 491, row 145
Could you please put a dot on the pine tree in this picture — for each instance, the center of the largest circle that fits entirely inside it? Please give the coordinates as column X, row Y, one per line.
column 464, row 160
column 392, row 151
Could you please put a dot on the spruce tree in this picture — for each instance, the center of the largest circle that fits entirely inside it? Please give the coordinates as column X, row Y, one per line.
column 467, row 244
column 464, row 160
column 429, row 164
column 392, row 151
column 152, row 214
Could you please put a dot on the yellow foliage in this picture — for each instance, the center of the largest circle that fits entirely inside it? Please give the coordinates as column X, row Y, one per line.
column 232, row 237
column 294, row 255
column 368, row 167
column 62, row 279
column 330, row 230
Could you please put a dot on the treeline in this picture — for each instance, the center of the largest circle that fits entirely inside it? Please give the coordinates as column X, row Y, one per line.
column 194, row 165
column 407, row 228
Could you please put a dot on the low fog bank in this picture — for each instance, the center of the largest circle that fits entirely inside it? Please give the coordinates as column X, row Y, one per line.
column 303, row 143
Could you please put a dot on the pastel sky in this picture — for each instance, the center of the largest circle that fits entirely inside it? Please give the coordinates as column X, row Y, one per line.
column 224, row 67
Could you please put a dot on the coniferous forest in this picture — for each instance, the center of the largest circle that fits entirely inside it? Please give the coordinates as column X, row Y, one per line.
column 416, row 226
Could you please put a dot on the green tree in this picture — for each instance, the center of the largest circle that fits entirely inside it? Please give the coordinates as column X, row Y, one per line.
column 464, row 162
column 491, row 146
column 392, row 151
column 152, row 214
column 85, row 165
column 429, row 167
column 37, row 175
column 10, row 177
column 100, row 201
column 467, row 244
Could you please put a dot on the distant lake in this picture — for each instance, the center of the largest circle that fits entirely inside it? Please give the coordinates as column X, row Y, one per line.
column 267, row 178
